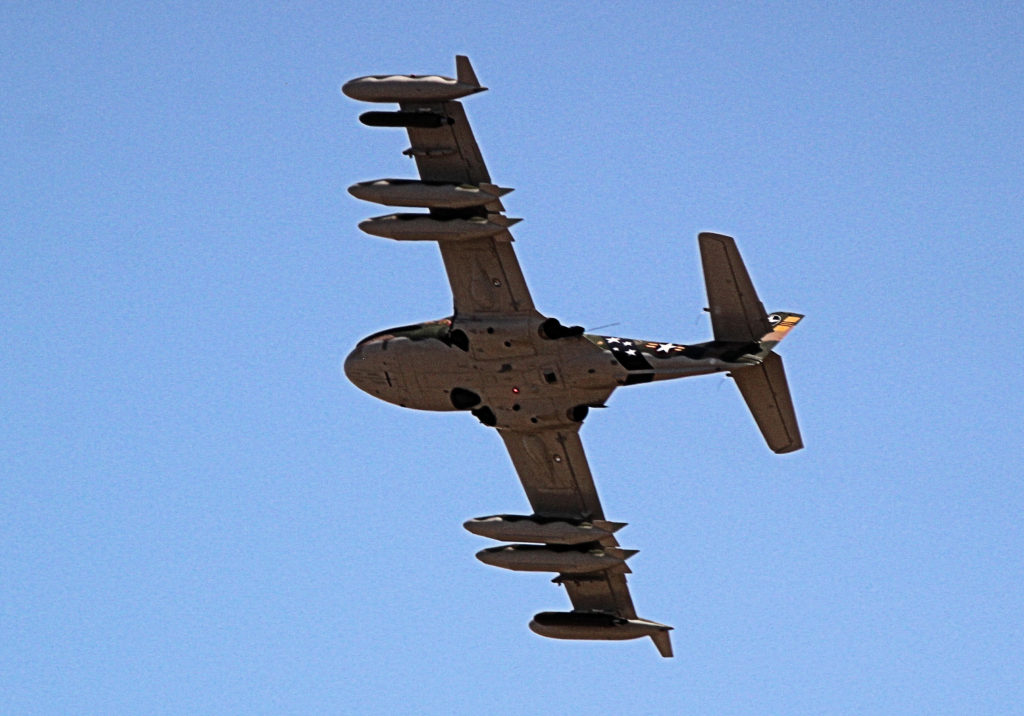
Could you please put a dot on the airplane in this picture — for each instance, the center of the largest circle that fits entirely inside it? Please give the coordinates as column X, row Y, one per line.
column 528, row 375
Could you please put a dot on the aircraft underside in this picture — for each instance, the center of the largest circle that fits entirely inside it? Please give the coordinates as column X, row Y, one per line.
column 528, row 375
column 510, row 375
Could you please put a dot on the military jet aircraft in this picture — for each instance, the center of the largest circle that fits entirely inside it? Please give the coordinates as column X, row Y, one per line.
column 528, row 375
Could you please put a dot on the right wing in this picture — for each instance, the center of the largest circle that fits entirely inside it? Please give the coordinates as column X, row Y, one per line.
column 553, row 469
column 556, row 477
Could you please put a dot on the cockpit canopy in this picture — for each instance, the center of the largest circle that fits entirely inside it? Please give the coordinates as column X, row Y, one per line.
column 414, row 332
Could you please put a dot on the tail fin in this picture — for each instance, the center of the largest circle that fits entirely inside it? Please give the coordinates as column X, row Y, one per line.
column 737, row 315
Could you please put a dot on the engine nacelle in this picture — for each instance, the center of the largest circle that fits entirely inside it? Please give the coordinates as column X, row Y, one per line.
column 424, row 227
column 561, row 559
column 517, row 528
column 593, row 625
column 431, row 195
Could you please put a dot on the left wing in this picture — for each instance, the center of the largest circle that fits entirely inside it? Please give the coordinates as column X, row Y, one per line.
column 483, row 271
column 553, row 469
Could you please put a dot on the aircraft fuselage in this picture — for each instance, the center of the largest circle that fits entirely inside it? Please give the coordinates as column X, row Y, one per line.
column 509, row 374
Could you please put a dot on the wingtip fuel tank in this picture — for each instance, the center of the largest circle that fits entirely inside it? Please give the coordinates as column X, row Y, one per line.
column 600, row 626
column 415, row 88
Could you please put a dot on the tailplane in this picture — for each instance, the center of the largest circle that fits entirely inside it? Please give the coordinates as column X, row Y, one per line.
column 737, row 316
column 766, row 393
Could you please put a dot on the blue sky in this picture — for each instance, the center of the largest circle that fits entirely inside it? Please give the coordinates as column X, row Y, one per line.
column 202, row 516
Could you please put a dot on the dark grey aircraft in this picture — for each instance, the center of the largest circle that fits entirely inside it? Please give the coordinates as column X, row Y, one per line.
column 530, row 376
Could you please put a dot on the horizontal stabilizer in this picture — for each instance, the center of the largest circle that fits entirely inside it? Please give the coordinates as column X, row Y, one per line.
column 736, row 312
column 766, row 392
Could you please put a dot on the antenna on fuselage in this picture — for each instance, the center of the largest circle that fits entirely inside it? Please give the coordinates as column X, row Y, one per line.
column 696, row 319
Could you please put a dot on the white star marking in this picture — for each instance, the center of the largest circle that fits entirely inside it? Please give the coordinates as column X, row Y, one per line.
column 666, row 347
column 613, row 340
column 631, row 352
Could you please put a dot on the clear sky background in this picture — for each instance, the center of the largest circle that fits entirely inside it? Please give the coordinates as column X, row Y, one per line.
column 199, row 513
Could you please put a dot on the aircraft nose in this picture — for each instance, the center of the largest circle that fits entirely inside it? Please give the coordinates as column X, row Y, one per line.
column 362, row 367
column 356, row 366
column 351, row 362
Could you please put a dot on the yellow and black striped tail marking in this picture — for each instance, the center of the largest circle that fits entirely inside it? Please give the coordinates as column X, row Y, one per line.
column 782, row 323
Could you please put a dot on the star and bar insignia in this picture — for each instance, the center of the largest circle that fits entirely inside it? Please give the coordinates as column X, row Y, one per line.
column 633, row 354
